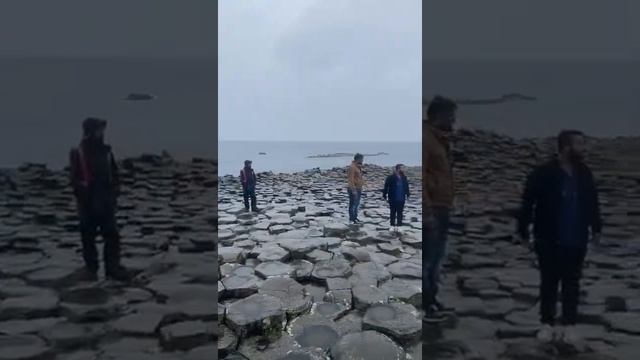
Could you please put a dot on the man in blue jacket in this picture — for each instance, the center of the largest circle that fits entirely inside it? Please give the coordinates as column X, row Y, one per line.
column 396, row 191
column 561, row 200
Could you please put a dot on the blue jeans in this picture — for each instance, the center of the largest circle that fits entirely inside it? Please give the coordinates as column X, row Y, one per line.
column 434, row 243
column 354, row 203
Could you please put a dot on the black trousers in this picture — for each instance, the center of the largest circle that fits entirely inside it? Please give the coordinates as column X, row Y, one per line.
column 397, row 208
column 559, row 265
column 249, row 194
column 104, row 223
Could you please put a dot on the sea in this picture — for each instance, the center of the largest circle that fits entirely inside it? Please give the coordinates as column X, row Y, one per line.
column 287, row 157
column 43, row 102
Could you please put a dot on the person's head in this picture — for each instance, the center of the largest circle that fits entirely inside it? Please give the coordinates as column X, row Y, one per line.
column 571, row 145
column 442, row 113
column 358, row 159
column 93, row 128
column 399, row 169
column 247, row 163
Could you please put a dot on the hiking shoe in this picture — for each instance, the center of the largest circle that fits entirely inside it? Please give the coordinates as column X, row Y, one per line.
column 546, row 333
column 443, row 308
column 432, row 315
column 569, row 335
column 119, row 274
column 255, row 210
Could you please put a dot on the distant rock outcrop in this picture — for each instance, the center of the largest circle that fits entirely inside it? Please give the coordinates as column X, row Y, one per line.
column 337, row 155
column 139, row 97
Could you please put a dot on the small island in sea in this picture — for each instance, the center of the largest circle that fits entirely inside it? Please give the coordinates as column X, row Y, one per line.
column 337, row 155
column 139, row 97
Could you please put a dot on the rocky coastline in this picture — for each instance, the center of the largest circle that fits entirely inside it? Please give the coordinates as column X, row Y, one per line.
column 323, row 286
column 167, row 220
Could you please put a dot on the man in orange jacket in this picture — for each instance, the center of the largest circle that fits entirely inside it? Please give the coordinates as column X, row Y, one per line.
column 355, row 184
column 437, row 202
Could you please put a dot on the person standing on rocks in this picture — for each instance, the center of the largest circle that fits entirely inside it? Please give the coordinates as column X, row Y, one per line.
column 396, row 191
column 437, row 202
column 561, row 200
column 249, row 180
column 355, row 184
column 95, row 183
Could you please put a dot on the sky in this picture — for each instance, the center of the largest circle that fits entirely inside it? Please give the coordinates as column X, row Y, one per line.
column 114, row 28
column 531, row 29
column 316, row 70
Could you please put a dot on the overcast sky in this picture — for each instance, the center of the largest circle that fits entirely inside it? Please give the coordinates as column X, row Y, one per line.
column 130, row 28
column 577, row 29
column 317, row 70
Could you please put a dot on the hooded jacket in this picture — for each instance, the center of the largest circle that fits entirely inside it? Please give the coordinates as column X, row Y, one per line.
column 94, row 175
column 437, row 174
column 354, row 176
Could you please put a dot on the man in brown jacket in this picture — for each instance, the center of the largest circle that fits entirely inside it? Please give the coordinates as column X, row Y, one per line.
column 437, row 199
column 354, row 188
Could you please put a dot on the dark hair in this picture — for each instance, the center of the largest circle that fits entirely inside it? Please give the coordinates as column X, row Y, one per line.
column 565, row 137
column 358, row 156
column 398, row 166
column 439, row 105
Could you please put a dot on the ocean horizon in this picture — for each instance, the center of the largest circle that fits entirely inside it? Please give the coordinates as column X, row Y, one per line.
column 294, row 156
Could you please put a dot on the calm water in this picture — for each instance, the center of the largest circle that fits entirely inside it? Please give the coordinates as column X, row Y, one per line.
column 600, row 98
column 292, row 156
column 43, row 101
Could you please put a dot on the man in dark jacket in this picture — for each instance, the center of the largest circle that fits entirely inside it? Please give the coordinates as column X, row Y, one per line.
column 248, row 179
column 561, row 200
column 95, row 183
column 396, row 191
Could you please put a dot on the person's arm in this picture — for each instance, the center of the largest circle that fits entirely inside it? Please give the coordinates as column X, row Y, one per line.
column 243, row 180
column 387, row 185
column 427, row 204
column 529, row 198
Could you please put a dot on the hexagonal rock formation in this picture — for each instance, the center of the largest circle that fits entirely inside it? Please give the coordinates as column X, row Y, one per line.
column 366, row 345
column 275, row 269
column 398, row 320
column 367, row 295
column 239, row 286
column 293, row 296
column 326, row 269
column 88, row 304
column 257, row 314
column 187, row 335
column 22, row 347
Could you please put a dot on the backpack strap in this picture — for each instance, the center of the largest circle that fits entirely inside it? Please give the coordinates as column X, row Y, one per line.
column 84, row 167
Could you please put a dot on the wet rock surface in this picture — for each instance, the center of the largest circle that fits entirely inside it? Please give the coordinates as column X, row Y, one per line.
column 492, row 280
column 167, row 225
column 329, row 274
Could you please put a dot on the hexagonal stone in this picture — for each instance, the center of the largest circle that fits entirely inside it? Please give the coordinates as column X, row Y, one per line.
column 41, row 304
column 230, row 254
column 68, row 335
column 187, row 335
column 272, row 253
column 144, row 324
column 17, row 327
column 293, row 296
column 335, row 268
column 257, row 314
column 368, row 345
column 239, row 286
column 275, row 269
column 403, row 290
column 336, row 230
column 371, row 270
column 398, row 320
column 303, row 269
column 365, row 296
column 304, row 354
column 23, row 347
column 319, row 255
column 227, row 342
column 406, row 269
column 329, row 310
column 300, row 247
column 88, row 304
column 318, row 336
